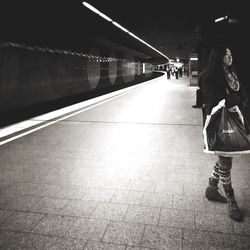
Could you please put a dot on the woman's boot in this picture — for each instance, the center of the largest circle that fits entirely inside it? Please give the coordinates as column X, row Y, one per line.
column 212, row 192
column 233, row 209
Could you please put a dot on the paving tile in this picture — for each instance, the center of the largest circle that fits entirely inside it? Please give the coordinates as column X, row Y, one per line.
column 142, row 163
column 246, row 193
column 241, row 172
column 21, row 221
column 117, row 183
column 181, row 179
column 50, row 205
column 22, row 202
column 33, row 189
column 140, row 214
column 155, row 176
column 4, row 184
column 169, row 188
column 243, row 227
column 213, row 222
column 189, row 203
column 109, row 211
column 139, row 185
column 124, row 233
column 240, row 182
column 20, row 188
column 245, row 208
column 29, row 241
column 99, row 194
column 195, row 239
column 236, row 242
column 138, row 248
column 127, row 197
column 54, row 225
column 79, row 208
column 194, row 190
column 5, row 236
column 238, row 193
column 72, row 192
column 91, row 245
column 201, row 178
column 13, row 243
column 129, row 174
column 162, row 237
column 215, row 207
column 4, row 198
column 49, row 242
column 5, row 214
column 157, row 200
column 106, row 173
column 177, row 218
column 88, row 229
column 68, row 244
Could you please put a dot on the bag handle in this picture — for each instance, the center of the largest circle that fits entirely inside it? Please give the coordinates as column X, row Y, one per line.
column 224, row 117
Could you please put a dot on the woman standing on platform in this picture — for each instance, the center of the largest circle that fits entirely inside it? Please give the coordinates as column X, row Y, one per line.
column 220, row 81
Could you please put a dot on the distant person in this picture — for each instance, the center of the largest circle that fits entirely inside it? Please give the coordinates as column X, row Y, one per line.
column 180, row 72
column 176, row 72
column 168, row 73
column 173, row 71
column 220, row 81
column 187, row 71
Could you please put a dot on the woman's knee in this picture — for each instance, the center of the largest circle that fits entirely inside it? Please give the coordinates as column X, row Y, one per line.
column 225, row 163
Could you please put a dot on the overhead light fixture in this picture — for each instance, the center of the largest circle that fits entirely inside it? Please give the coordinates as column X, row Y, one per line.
column 133, row 35
column 227, row 18
column 105, row 17
column 89, row 6
column 121, row 27
column 220, row 19
column 92, row 8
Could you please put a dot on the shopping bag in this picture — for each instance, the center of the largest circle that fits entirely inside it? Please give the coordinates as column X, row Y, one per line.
column 225, row 133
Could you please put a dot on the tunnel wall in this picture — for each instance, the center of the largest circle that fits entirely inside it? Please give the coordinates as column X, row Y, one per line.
column 32, row 75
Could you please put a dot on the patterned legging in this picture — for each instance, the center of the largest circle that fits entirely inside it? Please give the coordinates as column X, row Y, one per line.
column 222, row 170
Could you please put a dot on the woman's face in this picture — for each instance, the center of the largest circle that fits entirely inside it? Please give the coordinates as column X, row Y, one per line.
column 227, row 59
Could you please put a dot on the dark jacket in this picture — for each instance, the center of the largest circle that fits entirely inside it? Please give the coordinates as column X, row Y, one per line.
column 214, row 88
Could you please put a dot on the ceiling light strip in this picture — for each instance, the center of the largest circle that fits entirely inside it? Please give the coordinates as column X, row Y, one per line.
column 120, row 27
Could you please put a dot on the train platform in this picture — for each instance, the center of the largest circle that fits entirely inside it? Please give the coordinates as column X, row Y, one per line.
column 122, row 171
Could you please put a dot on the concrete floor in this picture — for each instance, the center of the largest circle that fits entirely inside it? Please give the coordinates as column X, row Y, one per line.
column 127, row 174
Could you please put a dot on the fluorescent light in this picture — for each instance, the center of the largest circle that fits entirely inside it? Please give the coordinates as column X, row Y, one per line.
column 105, row 17
column 91, row 7
column 220, row 19
column 133, row 35
column 121, row 27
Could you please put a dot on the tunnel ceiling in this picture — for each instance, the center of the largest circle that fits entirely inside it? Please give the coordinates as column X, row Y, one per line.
column 169, row 26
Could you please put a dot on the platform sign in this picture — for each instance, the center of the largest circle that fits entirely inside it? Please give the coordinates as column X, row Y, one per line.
column 193, row 69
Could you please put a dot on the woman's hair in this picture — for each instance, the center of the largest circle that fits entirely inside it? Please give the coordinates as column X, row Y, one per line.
column 216, row 58
column 214, row 63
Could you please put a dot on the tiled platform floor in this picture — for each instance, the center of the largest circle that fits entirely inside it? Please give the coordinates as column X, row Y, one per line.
column 128, row 174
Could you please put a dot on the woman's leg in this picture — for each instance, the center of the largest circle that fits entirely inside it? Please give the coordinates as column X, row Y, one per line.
column 212, row 192
column 225, row 166
column 216, row 173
